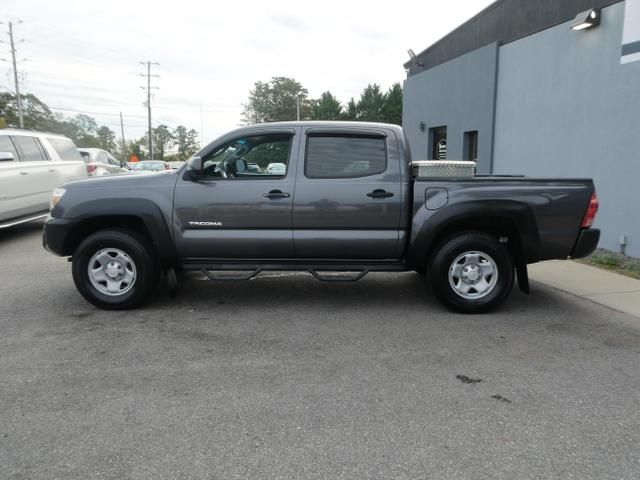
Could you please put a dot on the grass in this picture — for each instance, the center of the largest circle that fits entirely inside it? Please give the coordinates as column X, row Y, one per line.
column 616, row 262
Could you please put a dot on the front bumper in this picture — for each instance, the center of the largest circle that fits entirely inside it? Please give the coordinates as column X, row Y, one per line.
column 55, row 234
column 587, row 242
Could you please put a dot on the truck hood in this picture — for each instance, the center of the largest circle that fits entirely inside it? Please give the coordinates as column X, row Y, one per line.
column 128, row 181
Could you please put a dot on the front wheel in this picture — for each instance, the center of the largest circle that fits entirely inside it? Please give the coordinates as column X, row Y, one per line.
column 471, row 272
column 115, row 269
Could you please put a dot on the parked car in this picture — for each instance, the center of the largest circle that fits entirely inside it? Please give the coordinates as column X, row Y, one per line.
column 347, row 200
column 149, row 166
column 32, row 164
column 176, row 165
column 100, row 162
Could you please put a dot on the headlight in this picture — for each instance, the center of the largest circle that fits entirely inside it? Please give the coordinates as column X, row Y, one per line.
column 56, row 195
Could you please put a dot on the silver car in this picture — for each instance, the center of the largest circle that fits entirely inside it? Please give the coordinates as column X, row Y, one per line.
column 100, row 162
column 32, row 165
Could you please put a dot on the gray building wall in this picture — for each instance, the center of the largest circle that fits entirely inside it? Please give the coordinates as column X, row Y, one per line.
column 566, row 107
column 458, row 94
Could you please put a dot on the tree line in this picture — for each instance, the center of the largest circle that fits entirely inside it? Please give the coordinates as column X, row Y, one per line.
column 279, row 99
column 169, row 144
column 282, row 98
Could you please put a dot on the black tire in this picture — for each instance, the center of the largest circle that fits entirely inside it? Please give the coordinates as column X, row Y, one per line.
column 463, row 246
column 139, row 252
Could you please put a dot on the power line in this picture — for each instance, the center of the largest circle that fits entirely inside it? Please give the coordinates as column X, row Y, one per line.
column 70, row 110
column 148, row 89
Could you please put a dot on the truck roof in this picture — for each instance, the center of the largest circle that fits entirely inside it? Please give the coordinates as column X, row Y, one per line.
column 325, row 123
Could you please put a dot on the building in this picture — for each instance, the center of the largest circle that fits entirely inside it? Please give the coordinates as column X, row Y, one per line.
column 522, row 92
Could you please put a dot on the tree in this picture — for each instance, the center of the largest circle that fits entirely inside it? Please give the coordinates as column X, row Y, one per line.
column 370, row 104
column 275, row 101
column 162, row 139
column 327, row 107
column 351, row 112
column 135, row 147
column 36, row 114
column 106, row 138
column 392, row 108
column 186, row 142
column 86, row 124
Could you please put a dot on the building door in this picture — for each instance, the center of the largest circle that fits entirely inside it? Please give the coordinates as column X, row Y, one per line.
column 471, row 146
column 439, row 143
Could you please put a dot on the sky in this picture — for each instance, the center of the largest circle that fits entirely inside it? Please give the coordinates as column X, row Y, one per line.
column 83, row 56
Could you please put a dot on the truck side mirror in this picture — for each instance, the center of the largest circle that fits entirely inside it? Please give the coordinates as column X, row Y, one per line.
column 6, row 157
column 194, row 167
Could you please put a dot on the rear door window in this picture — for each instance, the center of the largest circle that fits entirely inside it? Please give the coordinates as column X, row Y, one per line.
column 6, row 145
column 333, row 156
column 30, row 149
column 65, row 148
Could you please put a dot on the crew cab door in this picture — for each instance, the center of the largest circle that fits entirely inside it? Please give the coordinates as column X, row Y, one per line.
column 349, row 197
column 241, row 206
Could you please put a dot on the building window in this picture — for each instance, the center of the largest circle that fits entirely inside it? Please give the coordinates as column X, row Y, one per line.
column 471, row 146
column 438, row 139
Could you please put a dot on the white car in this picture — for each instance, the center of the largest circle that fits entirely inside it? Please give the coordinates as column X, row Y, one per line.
column 100, row 162
column 32, row 165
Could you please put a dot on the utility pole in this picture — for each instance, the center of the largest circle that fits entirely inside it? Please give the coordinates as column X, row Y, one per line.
column 298, row 107
column 12, row 45
column 124, row 143
column 148, row 89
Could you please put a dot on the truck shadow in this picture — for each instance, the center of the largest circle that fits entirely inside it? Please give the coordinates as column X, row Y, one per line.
column 22, row 231
column 294, row 290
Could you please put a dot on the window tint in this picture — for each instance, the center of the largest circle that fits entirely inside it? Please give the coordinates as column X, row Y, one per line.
column 6, row 145
column 345, row 156
column 65, row 148
column 255, row 157
column 30, row 149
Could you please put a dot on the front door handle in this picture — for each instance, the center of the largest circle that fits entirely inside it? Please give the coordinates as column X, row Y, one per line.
column 273, row 194
column 24, row 173
column 379, row 193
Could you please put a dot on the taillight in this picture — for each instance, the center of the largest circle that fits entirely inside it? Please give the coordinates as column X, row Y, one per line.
column 91, row 169
column 592, row 209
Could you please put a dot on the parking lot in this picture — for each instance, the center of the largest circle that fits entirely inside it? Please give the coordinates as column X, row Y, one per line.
column 287, row 377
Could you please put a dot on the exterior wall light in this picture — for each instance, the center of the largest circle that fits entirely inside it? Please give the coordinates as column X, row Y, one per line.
column 414, row 59
column 422, row 126
column 588, row 19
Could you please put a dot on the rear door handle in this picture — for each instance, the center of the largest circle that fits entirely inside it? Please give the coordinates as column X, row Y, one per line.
column 52, row 169
column 273, row 194
column 379, row 193
column 24, row 173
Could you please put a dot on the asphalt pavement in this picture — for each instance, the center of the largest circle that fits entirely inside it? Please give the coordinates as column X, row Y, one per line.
column 285, row 377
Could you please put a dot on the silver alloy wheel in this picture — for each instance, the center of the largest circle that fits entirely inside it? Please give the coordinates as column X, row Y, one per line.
column 473, row 275
column 112, row 272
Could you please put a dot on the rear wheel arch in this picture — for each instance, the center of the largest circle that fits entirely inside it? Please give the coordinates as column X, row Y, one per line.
column 511, row 221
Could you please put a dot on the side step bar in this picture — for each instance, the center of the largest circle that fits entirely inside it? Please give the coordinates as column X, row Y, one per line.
column 323, row 276
column 339, row 271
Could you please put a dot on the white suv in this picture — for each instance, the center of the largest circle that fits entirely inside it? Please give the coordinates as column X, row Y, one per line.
column 32, row 164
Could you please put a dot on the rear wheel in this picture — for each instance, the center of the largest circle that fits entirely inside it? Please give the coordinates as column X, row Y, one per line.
column 471, row 272
column 115, row 269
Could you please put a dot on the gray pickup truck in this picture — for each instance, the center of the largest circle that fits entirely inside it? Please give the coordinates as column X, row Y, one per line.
column 321, row 197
